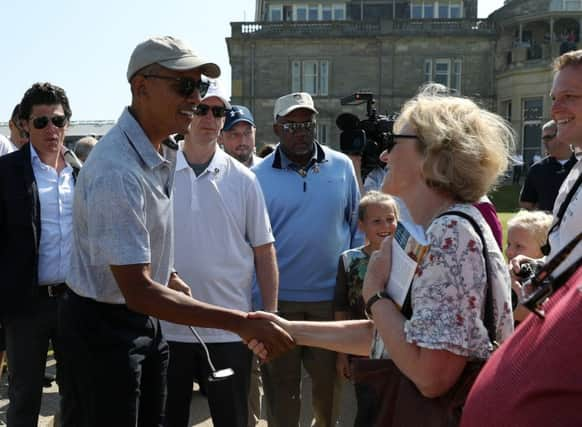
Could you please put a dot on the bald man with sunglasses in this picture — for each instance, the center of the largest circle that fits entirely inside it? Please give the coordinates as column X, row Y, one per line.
column 36, row 202
column 122, row 277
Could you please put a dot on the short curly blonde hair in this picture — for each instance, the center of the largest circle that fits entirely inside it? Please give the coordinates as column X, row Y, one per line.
column 374, row 197
column 536, row 223
column 466, row 148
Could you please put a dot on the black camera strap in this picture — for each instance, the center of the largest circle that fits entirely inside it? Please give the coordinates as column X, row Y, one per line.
column 555, row 261
column 546, row 248
column 544, row 284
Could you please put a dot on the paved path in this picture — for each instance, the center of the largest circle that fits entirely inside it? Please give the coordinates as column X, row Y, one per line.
column 199, row 413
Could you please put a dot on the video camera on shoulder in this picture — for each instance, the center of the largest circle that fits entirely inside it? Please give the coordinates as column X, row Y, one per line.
column 368, row 137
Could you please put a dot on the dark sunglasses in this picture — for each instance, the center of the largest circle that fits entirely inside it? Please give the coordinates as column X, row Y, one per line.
column 42, row 121
column 546, row 138
column 391, row 140
column 186, row 86
column 202, row 110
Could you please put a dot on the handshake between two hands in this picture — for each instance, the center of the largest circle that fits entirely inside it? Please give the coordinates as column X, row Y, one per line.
column 267, row 335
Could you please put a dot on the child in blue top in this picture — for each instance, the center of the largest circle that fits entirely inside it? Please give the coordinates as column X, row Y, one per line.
column 377, row 219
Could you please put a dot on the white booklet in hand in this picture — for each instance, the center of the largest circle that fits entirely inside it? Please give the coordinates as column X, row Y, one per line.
column 409, row 245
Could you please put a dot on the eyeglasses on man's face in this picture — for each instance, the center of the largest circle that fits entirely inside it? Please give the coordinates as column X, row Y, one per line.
column 217, row 111
column 293, row 127
column 185, row 86
column 42, row 121
column 547, row 138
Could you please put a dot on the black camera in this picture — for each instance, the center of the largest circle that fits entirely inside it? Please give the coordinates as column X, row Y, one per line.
column 368, row 137
column 527, row 271
column 536, row 286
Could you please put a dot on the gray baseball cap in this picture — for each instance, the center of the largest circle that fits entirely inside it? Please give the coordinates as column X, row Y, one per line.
column 171, row 53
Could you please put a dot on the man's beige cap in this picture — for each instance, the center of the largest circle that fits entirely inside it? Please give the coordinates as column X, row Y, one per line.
column 292, row 102
column 170, row 53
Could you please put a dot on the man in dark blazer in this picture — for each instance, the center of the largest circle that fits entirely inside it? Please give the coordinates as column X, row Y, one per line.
column 36, row 198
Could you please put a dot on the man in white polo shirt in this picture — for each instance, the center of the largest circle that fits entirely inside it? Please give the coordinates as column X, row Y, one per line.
column 224, row 237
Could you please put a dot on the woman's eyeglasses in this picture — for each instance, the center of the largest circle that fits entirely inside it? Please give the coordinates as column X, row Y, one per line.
column 185, row 85
column 202, row 110
column 42, row 121
column 293, row 127
column 391, row 140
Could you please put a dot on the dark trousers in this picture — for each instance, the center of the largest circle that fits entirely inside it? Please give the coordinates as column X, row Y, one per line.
column 227, row 399
column 116, row 365
column 27, row 339
column 282, row 376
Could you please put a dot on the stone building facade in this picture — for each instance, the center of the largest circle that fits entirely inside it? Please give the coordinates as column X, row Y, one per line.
column 333, row 49
column 530, row 34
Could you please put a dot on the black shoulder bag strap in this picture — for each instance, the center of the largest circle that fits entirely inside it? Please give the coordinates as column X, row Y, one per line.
column 561, row 212
column 489, row 318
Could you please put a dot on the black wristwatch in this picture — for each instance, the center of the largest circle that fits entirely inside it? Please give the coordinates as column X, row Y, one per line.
column 373, row 299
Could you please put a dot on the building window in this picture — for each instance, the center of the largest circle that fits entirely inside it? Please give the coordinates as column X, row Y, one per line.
column 532, row 129
column 428, row 70
column 455, row 10
column 505, row 110
column 275, row 13
column 456, row 76
column 442, row 72
column 445, row 71
column 310, row 76
column 427, row 9
column 300, row 13
column 313, row 14
column 416, row 11
column 339, row 12
column 317, row 12
column 572, row 5
column 326, row 14
column 322, row 133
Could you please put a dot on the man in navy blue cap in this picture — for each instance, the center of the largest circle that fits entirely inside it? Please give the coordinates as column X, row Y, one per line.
column 238, row 136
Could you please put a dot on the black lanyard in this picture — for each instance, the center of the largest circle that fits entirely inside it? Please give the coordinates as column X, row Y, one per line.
column 560, row 215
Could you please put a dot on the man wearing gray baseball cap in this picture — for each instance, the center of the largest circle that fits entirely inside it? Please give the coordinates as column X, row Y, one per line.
column 121, row 277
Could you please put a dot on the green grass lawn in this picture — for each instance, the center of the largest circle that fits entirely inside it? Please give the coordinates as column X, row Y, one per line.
column 504, row 217
column 506, row 201
column 506, row 198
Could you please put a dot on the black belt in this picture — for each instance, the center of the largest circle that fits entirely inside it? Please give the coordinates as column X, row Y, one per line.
column 52, row 290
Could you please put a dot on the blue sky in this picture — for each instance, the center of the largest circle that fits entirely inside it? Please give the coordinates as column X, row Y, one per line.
column 84, row 46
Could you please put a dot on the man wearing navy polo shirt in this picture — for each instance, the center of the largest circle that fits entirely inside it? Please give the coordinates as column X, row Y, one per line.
column 545, row 177
column 312, row 197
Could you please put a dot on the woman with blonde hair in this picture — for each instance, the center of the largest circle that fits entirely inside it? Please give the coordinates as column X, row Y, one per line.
column 446, row 153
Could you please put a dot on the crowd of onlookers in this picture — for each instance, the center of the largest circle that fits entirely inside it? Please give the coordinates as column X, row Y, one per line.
column 114, row 251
